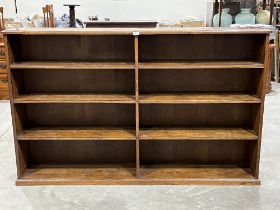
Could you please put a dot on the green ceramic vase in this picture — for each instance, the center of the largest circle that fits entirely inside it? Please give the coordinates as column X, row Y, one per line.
column 245, row 17
column 226, row 18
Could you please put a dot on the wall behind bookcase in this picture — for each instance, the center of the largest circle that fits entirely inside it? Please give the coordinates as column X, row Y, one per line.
column 114, row 9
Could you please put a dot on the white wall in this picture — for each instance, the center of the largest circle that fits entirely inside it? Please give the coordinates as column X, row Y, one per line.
column 115, row 9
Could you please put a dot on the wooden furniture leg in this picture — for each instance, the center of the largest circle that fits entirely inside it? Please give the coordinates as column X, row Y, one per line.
column 1, row 18
column 270, row 52
column 276, row 57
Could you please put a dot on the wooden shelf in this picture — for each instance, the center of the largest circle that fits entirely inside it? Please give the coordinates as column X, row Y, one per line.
column 182, row 174
column 75, row 98
column 152, row 174
column 78, row 133
column 177, row 98
column 198, row 98
column 60, row 175
column 202, row 65
column 71, row 65
column 198, row 134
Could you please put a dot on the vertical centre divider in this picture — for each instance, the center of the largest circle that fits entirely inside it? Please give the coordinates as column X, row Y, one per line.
column 137, row 103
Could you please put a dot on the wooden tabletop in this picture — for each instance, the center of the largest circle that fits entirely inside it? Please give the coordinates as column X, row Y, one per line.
column 129, row 31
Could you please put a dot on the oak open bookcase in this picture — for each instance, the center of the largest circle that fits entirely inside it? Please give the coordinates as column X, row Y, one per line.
column 137, row 106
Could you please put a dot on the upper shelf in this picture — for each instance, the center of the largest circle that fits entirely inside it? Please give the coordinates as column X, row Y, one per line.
column 75, row 133
column 143, row 65
column 198, row 134
column 159, row 98
column 142, row 31
column 202, row 65
column 71, row 65
column 199, row 98
column 75, row 98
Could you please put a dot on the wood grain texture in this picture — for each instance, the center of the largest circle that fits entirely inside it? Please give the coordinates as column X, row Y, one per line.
column 75, row 98
column 254, row 158
column 200, row 48
column 97, row 82
column 196, row 115
column 4, row 94
column 126, row 31
column 198, row 80
column 77, row 114
column 71, row 65
column 137, row 113
column 2, row 53
column 202, row 65
column 198, row 134
column 109, row 106
column 80, row 49
column 197, row 98
column 4, row 83
column 195, row 172
column 116, row 175
column 82, row 133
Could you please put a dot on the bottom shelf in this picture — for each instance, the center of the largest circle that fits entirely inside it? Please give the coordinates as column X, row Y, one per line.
column 149, row 175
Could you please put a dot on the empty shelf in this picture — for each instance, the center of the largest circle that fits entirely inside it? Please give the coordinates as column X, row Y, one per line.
column 83, row 133
column 76, row 174
column 76, row 98
column 195, row 98
column 197, row 134
column 71, row 65
column 202, row 65
column 184, row 174
column 150, row 174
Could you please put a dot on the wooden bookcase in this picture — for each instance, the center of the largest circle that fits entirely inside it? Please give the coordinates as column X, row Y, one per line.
column 137, row 106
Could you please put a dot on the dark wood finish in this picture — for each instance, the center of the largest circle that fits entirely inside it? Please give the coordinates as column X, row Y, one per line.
column 72, row 14
column 121, row 24
column 136, row 106
column 270, row 57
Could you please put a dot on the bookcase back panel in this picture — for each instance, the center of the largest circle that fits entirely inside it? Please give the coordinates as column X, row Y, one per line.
column 194, row 152
column 196, row 115
column 230, row 80
column 78, row 115
column 80, row 152
column 69, row 81
column 167, row 106
column 200, row 47
column 72, row 48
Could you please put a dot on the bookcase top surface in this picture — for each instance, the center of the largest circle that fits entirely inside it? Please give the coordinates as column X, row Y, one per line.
column 135, row 31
